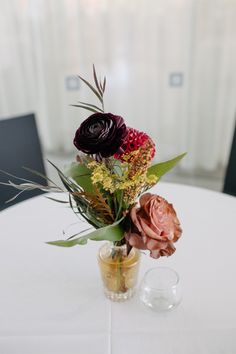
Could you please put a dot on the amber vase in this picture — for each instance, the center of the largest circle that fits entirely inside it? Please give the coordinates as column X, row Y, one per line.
column 119, row 270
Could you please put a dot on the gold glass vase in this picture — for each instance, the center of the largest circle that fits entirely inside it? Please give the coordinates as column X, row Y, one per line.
column 119, row 271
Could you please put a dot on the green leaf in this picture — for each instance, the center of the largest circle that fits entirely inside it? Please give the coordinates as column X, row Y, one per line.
column 117, row 168
column 85, row 107
column 80, row 210
column 58, row 200
column 119, row 194
column 104, row 84
column 96, row 80
column 81, row 175
column 92, row 88
column 112, row 233
column 91, row 105
column 78, row 233
column 161, row 168
column 69, row 185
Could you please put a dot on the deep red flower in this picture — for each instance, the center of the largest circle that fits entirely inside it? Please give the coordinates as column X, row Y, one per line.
column 133, row 141
column 101, row 134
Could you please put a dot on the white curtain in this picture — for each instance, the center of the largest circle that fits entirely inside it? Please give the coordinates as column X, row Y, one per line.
column 170, row 66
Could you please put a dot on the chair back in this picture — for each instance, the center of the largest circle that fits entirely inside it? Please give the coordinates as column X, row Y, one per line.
column 19, row 146
column 230, row 176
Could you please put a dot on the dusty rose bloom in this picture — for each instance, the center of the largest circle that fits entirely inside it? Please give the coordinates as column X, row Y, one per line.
column 154, row 226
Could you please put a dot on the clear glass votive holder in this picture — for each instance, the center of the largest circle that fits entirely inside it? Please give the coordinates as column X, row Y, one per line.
column 160, row 289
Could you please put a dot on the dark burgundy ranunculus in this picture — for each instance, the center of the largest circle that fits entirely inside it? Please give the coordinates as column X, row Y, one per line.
column 101, row 134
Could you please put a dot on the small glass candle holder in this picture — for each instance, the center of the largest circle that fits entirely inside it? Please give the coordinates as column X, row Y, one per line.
column 160, row 289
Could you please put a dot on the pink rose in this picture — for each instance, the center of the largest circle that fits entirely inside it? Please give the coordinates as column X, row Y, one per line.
column 154, row 226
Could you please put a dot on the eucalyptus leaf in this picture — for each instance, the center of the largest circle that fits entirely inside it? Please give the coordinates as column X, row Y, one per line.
column 117, row 167
column 81, row 175
column 161, row 168
column 112, row 233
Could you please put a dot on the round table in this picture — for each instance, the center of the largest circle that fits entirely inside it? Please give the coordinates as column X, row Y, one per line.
column 51, row 298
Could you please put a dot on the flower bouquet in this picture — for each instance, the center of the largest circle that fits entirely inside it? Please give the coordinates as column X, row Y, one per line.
column 107, row 186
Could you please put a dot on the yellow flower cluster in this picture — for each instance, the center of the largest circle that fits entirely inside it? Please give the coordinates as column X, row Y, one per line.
column 109, row 180
column 102, row 175
column 126, row 176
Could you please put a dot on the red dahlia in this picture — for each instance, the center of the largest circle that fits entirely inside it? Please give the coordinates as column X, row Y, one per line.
column 133, row 141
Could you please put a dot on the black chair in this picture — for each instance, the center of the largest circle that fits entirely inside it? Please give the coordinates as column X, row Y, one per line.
column 230, row 176
column 19, row 146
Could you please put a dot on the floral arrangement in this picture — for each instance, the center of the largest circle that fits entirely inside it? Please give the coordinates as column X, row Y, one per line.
column 107, row 184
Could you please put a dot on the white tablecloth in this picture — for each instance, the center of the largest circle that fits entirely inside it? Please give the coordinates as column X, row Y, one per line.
column 52, row 302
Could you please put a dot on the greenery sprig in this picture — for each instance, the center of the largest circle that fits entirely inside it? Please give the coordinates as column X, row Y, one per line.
column 98, row 90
